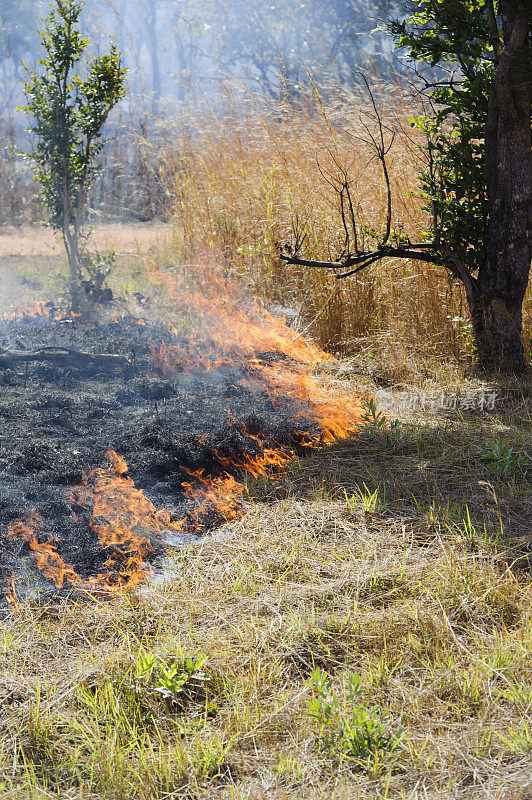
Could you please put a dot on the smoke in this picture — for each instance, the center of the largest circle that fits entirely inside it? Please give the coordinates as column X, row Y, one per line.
column 179, row 53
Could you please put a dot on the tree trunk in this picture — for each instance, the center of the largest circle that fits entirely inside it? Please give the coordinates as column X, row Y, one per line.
column 497, row 309
column 74, row 277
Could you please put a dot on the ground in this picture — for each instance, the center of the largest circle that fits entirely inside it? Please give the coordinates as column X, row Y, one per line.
column 400, row 555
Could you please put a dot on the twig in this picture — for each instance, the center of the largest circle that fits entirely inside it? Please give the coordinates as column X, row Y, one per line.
column 62, row 355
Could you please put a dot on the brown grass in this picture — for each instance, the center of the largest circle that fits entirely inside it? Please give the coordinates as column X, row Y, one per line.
column 237, row 180
column 26, row 242
column 404, row 560
column 438, row 630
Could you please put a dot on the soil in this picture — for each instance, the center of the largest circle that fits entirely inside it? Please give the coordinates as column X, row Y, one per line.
column 57, row 423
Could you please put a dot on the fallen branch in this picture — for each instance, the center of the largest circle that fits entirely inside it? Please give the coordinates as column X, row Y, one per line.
column 63, row 356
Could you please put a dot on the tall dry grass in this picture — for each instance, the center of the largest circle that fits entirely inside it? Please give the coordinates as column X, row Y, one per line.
column 237, row 179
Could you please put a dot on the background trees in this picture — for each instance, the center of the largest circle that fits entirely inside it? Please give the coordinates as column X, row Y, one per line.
column 181, row 47
column 477, row 122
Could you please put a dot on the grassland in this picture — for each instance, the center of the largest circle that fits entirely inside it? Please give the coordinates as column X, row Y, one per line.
column 237, row 181
column 395, row 564
column 399, row 559
column 388, row 560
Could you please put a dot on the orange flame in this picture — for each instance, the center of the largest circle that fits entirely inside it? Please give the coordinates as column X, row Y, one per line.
column 125, row 521
column 233, row 332
column 37, row 309
column 123, row 518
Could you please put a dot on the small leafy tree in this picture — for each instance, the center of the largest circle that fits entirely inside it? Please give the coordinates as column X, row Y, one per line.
column 69, row 113
column 478, row 182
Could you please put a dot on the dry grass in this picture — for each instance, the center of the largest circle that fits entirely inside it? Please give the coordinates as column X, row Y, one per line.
column 397, row 558
column 33, row 263
column 27, row 242
column 401, row 559
column 236, row 182
column 437, row 625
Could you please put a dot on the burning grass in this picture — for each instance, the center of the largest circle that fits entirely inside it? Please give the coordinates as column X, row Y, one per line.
column 400, row 555
column 397, row 557
column 239, row 398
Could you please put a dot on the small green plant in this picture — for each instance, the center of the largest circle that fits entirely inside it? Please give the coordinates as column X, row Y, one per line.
column 177, row 678
column 177, row 681
column 347, row 728
column 374, row 420
column 369, row 500
column 503, row 461
column 395, row 430
column 68, row 114
column 474, row 538
column 376, row 423
column 98, row 268
column 518, row 741
column 290, row 767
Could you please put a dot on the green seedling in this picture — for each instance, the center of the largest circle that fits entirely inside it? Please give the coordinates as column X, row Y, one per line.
column 349, row 729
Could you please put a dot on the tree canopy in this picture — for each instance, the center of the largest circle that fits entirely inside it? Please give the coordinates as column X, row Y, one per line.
column 478, row 180
column 67, row 115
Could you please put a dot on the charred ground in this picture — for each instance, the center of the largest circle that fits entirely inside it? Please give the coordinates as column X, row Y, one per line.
column 58, row 421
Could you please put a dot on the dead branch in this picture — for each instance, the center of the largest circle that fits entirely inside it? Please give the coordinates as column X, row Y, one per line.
column 349, row 263
column 63, row 356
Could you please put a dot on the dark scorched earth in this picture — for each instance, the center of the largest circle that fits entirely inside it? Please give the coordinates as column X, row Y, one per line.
column 57, row 421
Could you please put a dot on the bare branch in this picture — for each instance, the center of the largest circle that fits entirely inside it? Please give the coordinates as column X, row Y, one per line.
column 352, row 215
column 381, row 151
column 428, row 252
column 348, row 264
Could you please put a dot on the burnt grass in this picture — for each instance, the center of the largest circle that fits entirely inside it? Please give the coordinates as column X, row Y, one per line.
column 58, row 421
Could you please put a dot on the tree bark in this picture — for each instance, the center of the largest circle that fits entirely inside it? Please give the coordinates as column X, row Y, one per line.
column 497, row 308
column 70, row 237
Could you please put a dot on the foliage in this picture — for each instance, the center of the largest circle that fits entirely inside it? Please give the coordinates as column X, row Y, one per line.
column 373, row 419
column 357, row 733
column 476, row 183
column 98, row 267
column 178, row 680
column 504, row 461
column 69, row 113
column 375, row 423
column 452, row 39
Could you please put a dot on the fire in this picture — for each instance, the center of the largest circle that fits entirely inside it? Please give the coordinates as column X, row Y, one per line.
column 47, row 557
column 121, row 517
column 235, row 333
column 125, row 522
column 271, row 358
column 221, row 495
column 336, row 412
column 44, row 310
column 233, row 327
column 48, row 310
column 40, row 308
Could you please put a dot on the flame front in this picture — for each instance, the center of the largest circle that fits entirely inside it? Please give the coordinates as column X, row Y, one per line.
column 233, row 333
column 272, row 359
